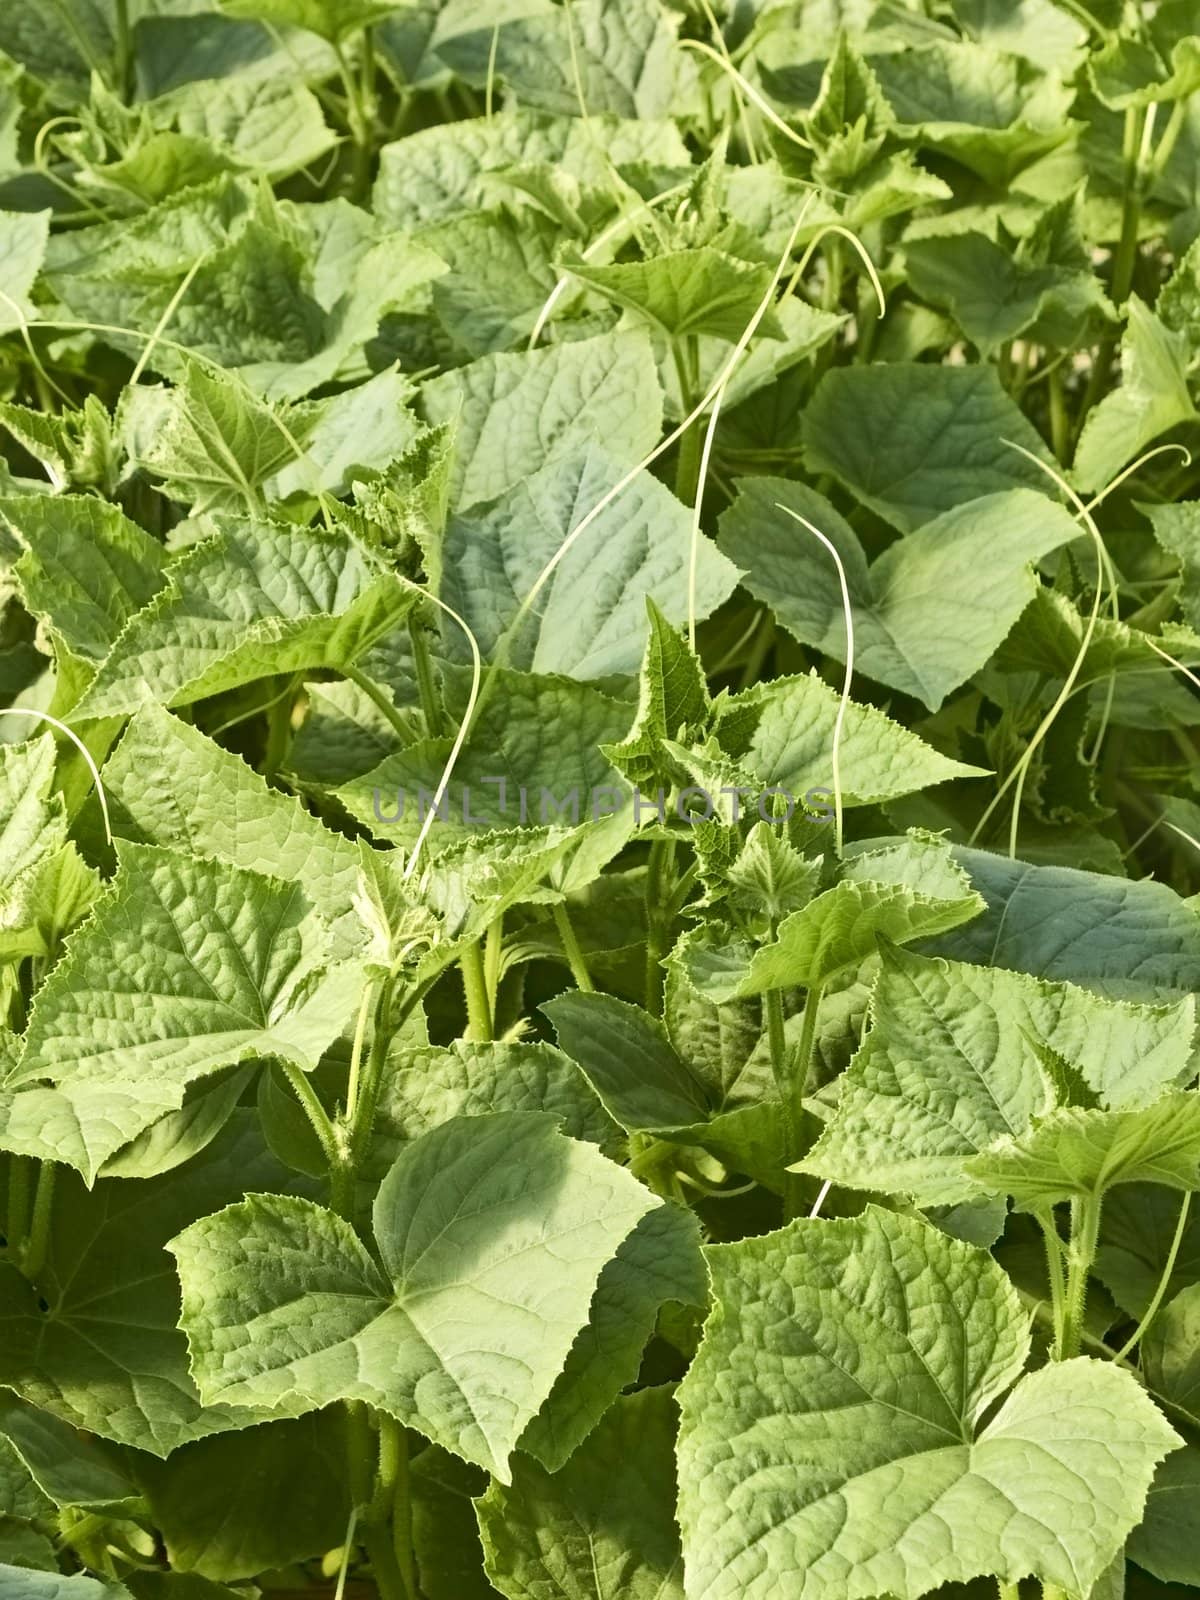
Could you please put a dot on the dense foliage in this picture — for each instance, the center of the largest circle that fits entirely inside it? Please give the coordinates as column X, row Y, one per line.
column 598, row 810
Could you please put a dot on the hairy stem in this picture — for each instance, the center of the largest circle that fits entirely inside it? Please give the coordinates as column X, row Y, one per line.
column 322, row 1125
column 20, row 1192
column 657, row 899
column 34, row 1258
column 479, row 1012
column 1085, row 1232
column 382, row 702
column 431, row 700
column 572, row 949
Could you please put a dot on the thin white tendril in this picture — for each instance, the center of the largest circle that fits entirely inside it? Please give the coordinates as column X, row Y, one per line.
column 23, row 325
column 836, row 227
column 347, row 1550
column 747, row 89
column 822, row 1196
column 844, row 701
column 164, row 321
column 1183, row 834
column 464, row 726
column 489, row 88
column 743, row 115
column 710, row 434
column 44, row 716
column 1021, row 769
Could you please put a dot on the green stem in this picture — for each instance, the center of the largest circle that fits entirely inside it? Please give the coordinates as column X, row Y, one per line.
column 371, row 1082
column 493, row 962
column 392, row 1499
column 479, row 1012
column 20, row 1188
column 1054, row 1270
column 431, row 700
column 38, row 1244
column 359, row 117
column 1164, row 1281
column 319, row 1120
column 687, row 466
column 1125, row 259
column 572, row 949
column 1008, row 1591
column 279, row 727
column 657, row 898
column 1060, row 426
column 804, row 1051
column 124, row 41
column 1085, row 1233
column 382, row 702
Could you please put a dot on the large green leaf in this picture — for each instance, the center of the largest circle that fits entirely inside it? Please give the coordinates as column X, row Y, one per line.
column 948, row 1067
column 912, row 441
column 255, row 600
column 235, row 1505
column 102, row 1350
column 978, row 599
column 600, row 1528
column 516, row 413
column 685, row 292
column 849, row 1366
column 1136, row 1234
column 187, row 966
column 1165, row 1543
column 492, row 555
column 492, row 1233
column 332, row 19
column 23, row 239
column 1133, row 939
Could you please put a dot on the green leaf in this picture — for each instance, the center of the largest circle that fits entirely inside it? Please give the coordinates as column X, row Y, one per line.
column 108, row 1356
column 1171, row 1353
column 1165, row 1542
column 71, row 1470
column 85, row 569
column 1177, row 529
column 1137, row 940
column 185, row 967
column 793, row 736
column 1073, row 1153
column 517, row 413
column 685, row 292
column 169, row 785
column 332, row 19
column 75, row 447
column 659, row 1263
column 492, row 1233
column 629, row 1062
column 672, row 696
column 603, row 1526
column 850, row 1365
column 912, row 440
column 839, row 929
column 22, row 1583
column 622, row 60
column 1152, row 399
column 256, row 600
column 534, row 757
column 995, row 113
column 452, row 168
column 1136, row 1231
column 23, row 237
column 948, row 1067
column 492, row 555
column 235, row 1505
column 890, row 600
column 1130, row 72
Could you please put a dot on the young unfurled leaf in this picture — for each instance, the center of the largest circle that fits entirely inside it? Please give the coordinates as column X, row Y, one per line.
column 893, row 642
column 492, row 1232
column 948, row 1067
column 602, row 1527
column 839, row 929
column 850, row 1364
column 1073, row 1153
